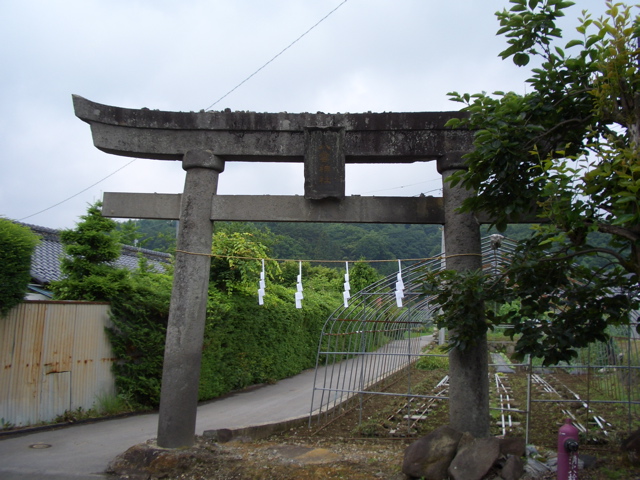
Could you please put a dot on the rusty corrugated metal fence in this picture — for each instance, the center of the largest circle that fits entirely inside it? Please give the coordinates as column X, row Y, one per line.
column 54, row 356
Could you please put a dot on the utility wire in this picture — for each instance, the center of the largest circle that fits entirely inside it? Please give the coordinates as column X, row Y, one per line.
column 276, row 56
column 82, row 191
column 235, row 257
column 405, row 186
column 209, row 107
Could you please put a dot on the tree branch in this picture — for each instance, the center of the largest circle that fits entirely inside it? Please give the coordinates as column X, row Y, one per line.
column 619, row 231
column 623, row 261
column 549, row 132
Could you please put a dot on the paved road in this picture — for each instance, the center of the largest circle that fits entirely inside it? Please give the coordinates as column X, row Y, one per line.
column 84, row 451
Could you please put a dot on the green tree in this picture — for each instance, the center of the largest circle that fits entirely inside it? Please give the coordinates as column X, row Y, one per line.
column 237, row 260
column 374, row 246
column 361, row 275
column 88, row 268
column 17, row 244
column 159, row 235
column 130, row 234
column 568, row 150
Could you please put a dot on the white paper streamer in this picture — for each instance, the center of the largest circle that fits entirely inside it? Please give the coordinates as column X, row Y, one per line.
column 346, row 295
column 261, row 286
column 399, row 286
column 299, row 295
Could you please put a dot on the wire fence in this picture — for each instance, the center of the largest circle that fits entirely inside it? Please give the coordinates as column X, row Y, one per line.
column 382, row 331
column 371, row 347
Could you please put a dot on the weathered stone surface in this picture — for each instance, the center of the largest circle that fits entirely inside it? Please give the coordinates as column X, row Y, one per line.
column 222, row 435
column 281, row 208
column 324, row 163
column 513, row 446
column 148, row 461
column 631, row 448
column 430, row 456
column 390, row 137
column 536, row 468
column 188, row 307
column 474, row 460
column 499, row 362
column 513, row 468
column 468, row 368
column 552, row 462
column 466, row 440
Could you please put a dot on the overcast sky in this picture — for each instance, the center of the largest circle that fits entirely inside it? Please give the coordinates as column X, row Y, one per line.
column 368, row 55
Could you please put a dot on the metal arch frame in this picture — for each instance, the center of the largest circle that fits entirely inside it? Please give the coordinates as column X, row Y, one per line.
column 355, row 366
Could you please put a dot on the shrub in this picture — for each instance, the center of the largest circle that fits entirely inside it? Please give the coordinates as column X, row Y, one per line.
column 139, row 315
column 246, row 343
column 17, row 244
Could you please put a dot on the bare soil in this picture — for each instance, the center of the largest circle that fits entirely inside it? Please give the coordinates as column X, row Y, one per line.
column 369, row 443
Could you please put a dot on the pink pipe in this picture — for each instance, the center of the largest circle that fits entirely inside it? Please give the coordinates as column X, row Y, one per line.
column 567, row 448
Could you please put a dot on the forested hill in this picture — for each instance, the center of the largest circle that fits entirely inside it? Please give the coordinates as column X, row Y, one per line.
column 354, row 241
column 313, row 241
column 308, row 241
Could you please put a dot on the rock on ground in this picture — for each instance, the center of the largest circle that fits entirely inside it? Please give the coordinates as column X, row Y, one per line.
column 474, row 460
column 429, row 457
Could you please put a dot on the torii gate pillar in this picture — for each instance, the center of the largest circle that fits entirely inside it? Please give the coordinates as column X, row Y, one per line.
column 187, row 313
column 469, row 369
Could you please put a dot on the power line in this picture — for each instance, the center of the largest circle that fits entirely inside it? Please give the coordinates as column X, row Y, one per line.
column 405, row 186
column 209, row 107
column 279, row 260
column 276, row 56
column 82, row 191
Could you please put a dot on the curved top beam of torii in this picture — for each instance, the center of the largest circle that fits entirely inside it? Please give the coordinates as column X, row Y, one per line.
column 270, row 137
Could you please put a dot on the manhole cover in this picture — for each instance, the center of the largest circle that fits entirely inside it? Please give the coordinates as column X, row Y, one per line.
column 40, row 445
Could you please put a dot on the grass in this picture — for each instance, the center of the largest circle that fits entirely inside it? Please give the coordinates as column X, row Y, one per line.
column 105, row 405
column 434, row 359
column 498, row 335
column 4, row 425
column 113, row 404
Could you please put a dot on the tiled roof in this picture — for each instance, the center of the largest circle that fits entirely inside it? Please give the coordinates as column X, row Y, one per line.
column 45, row 264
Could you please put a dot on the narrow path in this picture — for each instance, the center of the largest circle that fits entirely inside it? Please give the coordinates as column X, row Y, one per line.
column 84, row 451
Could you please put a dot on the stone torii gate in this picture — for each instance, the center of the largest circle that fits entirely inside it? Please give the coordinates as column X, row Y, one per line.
column 204, row 141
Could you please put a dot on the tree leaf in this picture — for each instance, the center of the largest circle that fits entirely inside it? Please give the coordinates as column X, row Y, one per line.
column 574, row 43
column 521, row 59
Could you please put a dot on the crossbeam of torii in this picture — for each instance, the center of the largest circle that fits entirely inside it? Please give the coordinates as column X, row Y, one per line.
column 204, row 141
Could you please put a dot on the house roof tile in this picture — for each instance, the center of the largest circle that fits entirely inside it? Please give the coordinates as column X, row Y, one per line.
column 45, row 264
